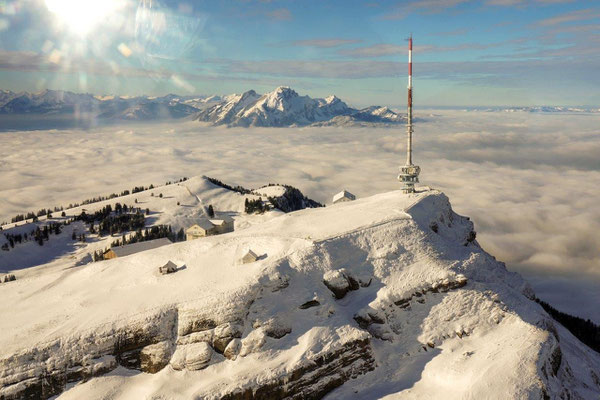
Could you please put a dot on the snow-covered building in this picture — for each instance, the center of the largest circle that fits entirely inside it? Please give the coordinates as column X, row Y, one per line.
column 168, row 268
column 342, row 196
column 222, row 223
column 133, row 248
column 209, row 226
column 249, row 257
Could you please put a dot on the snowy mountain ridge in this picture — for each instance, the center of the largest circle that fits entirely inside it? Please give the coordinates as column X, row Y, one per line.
column 281, row 107
column 285, row 107
column 387, row 296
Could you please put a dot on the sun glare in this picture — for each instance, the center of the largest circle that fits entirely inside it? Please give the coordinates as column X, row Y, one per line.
column 81, row 16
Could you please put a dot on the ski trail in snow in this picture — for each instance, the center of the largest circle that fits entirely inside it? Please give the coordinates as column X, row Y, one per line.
column 197, row 198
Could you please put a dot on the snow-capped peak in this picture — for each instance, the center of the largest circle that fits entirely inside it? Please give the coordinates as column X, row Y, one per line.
column 284, row 107
column 332, row 99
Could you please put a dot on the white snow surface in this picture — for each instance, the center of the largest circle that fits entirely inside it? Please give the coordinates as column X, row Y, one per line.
column 193, row 195
column 437, row 337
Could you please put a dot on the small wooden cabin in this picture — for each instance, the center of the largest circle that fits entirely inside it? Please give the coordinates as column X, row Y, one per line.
column 168, row 268
column 342, row 196
column 249, row 257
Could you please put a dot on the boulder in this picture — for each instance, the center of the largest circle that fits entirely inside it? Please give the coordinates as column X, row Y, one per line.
column 224, row 334
column 253, row 342
column 193, row 357
column 156, row 356
column 277, row 327
column 233, row 349
column 340, row 282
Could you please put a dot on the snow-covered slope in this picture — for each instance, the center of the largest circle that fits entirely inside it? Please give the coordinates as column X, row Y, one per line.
column 284, row 107
column 180, row 205
column 6, row 96
column 387, row 296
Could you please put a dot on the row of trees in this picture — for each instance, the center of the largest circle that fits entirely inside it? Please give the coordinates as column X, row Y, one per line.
column 38, row 235
column 255, row 206
column 238, row 188
column 123, row 218
column 584, row 330
column 34, row 216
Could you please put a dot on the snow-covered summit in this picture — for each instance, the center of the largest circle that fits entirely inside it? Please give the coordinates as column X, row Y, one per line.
column 386, row 295
column 285, row 107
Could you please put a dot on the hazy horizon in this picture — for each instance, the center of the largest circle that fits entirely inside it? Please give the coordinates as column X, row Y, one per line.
column 476, row 53
column 400, row 107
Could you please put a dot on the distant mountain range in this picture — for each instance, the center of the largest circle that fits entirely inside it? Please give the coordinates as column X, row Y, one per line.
column 83, row 106
column 281, row 107
column 285, row 107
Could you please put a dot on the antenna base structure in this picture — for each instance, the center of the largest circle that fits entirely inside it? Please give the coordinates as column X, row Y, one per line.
column 408, row 176
column 409, row 173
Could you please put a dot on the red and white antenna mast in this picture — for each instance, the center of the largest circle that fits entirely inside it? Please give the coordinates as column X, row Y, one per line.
column 409, row 173
column 409, row 111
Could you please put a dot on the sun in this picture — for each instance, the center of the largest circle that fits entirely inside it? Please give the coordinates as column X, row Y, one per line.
column 81, row 16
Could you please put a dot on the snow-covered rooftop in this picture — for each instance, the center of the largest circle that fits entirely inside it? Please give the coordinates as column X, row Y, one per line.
column 122, row 251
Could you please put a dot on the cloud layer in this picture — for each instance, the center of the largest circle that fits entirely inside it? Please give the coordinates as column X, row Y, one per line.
column 529, row 181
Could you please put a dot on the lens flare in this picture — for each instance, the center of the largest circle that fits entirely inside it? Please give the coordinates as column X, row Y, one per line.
column 81, row 16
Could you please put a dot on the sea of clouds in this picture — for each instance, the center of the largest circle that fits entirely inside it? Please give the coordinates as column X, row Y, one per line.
column 530, row 182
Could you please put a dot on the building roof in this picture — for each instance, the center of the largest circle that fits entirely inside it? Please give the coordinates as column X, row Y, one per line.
column 133, row 248
column 218, row 220
column 169, row 266
column 251, row 254
column 203, row 223
column 342, row 194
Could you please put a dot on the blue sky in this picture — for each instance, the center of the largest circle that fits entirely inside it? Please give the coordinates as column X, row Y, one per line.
column 490, row 52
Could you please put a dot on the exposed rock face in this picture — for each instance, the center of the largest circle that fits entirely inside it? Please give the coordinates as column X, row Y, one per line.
column 315, row 376
column 224, row 334
column 44, row 371
column 309, row 304
column 340, row 282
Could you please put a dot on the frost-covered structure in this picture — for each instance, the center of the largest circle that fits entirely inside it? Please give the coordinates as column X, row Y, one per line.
column 388, row 295
column 343, row 196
